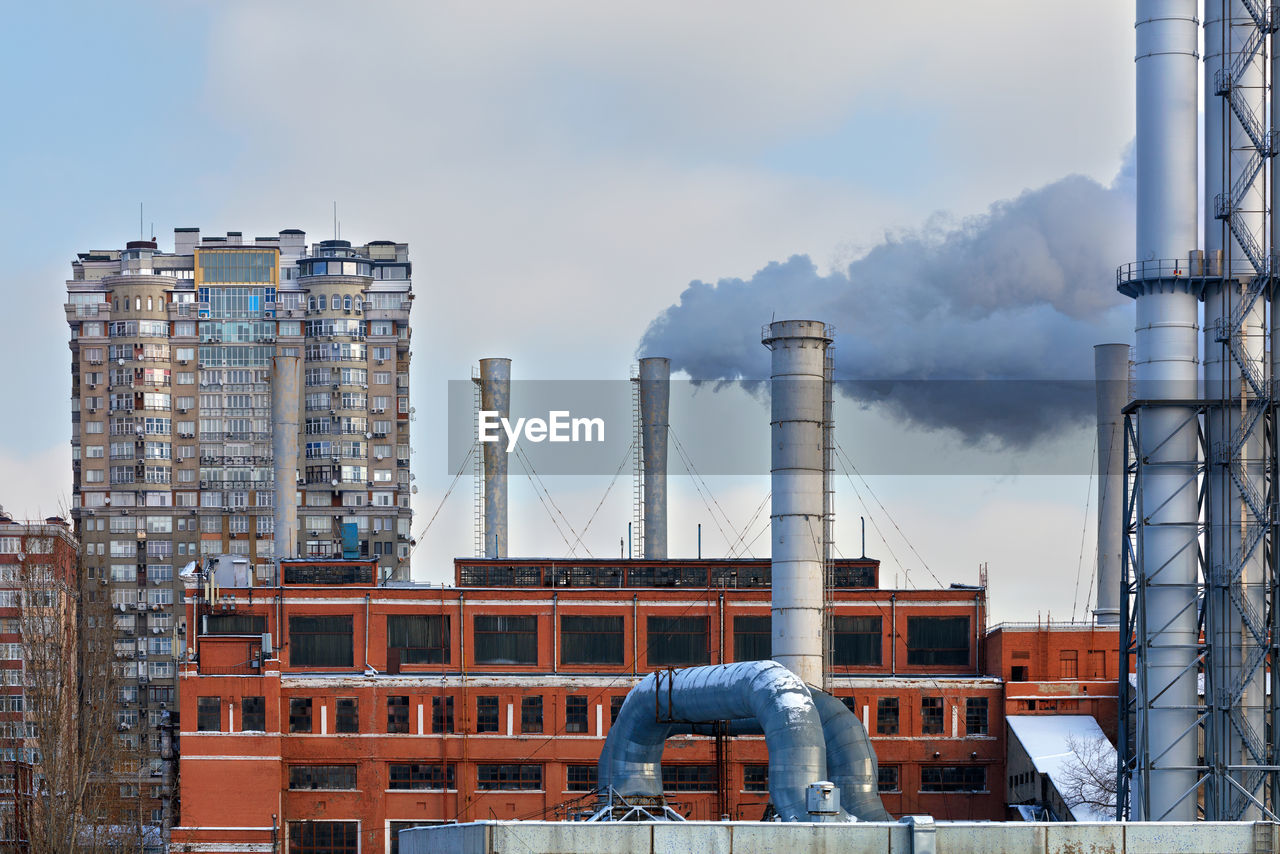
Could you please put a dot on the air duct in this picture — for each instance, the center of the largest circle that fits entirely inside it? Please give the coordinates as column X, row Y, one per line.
column 851, row 760
column 1111, row 382
column 798, row 468
column 631, row 760
column 495, row 396
column 655, row 404
column 286, row 380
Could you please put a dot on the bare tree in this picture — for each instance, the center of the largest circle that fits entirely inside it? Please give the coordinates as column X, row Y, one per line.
column 1088, row 778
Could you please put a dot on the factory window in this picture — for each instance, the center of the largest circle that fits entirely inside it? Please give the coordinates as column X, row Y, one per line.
column 752, row 638
column 755, row 778
column 887, row 716
column 931, row 715
column 406, row 776
column 575, row 714
column 591, row 640
column 975, row 715
column 346, row 715
column 235, row 624
column 1018, row 673
column 300, row 714
column 503, row 777
column 689, row 778
column 888, row 778
column 531, row 714
column 253, row 714
column 506, row 640
column 677, row 641
column 850, row 703
column 419, row 638
column 1068, row 664
column 397, row 826
column 855, row 641
column 208, row 714
column 320, row 641
column 581, row 778
column 486, row 714
column 322, row 776
column 953, row 778
column 615, row 706
column 938, row 641
column 324, row 837
column 1097, row 664
column 442, row 714
column 397, row 714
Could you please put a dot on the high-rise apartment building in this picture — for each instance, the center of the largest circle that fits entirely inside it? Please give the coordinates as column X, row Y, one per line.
column 174, row 357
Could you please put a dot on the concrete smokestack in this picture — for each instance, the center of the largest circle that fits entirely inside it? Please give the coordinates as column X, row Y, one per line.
column 797, row 420
column 1111, row 379
column 286, row 380
column 655, row 406
column 495, row 396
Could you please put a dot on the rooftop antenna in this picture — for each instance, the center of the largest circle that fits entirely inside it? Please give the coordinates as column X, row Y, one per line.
column 140, row 232
column 335, row 219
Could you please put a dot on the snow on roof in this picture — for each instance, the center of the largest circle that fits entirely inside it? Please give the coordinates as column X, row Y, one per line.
column 1045, row 738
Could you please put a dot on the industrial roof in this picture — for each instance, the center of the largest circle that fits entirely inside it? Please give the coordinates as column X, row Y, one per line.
column 1046, row 737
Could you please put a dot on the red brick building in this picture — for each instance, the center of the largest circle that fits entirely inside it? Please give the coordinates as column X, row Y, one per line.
column 330, row 710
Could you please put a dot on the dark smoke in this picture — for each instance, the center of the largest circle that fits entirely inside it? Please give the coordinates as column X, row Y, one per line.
column 984, row 326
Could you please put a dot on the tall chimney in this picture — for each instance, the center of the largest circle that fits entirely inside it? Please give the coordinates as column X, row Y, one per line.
column 286, row 380
column 655, row 405
column 1111, row 380
column 495, row 396
column 797, row 438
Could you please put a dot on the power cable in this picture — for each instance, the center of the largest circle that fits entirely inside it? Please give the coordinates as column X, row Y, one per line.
column 1084, row 529
column 625, row 457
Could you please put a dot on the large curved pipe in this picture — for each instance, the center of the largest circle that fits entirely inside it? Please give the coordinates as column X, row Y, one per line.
column 851, row 761
column 631, row 761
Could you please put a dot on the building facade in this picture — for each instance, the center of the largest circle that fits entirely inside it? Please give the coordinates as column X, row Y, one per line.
column 173, row 365
column 344, row 710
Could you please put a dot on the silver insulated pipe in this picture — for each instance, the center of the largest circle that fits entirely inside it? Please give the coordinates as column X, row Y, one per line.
column 1111, row 382
column 495, row 396
column 797, row 420
column 286, row 380
column 655, row 406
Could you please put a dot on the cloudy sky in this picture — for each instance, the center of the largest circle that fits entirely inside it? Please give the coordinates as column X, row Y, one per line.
column 569, row 173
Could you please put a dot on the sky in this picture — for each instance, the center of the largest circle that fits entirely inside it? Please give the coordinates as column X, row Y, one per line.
column 566, row 174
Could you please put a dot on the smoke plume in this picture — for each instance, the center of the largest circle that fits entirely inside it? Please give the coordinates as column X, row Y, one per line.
column 984, row 326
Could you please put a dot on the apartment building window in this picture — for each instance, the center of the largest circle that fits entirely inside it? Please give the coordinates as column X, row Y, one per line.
column 888, row 779
column 975, row 715
column 208, row 714
column 581, row 778
column 752, row 638
column 397, row 714
column 755, row 778
column 346, row 715
column 414, row 776
column 322, row 776
column 856, row 641
column 419, row 638
column 253, row 714
column 938, row 641
column 615, row 706
column 442, row 714
column 508, row 777
column 506, row 639
column 299, row 714
column 887, row 716
column 486, row 714
column 678, row 641
column 531, row 714
column 689, row 778
column 320, row 641
column 575, row 714
column 591, row 640
column 953, row 778
column 324, row 837
column 1068, row 664
column 931, row 715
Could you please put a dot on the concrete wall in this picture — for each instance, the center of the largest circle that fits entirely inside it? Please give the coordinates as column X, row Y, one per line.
column 530, row 837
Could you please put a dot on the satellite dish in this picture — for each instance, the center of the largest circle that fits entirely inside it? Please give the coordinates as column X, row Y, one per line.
column 368, row 435
column 333, row 483
column 22, row 556
column 119, row 361
column 413, row 490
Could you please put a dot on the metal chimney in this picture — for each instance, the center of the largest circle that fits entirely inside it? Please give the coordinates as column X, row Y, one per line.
column 1166, row 370
column 798, row 472
column 655, row 400
column 286, row 380
column 495, row 396
column 1111, row 381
